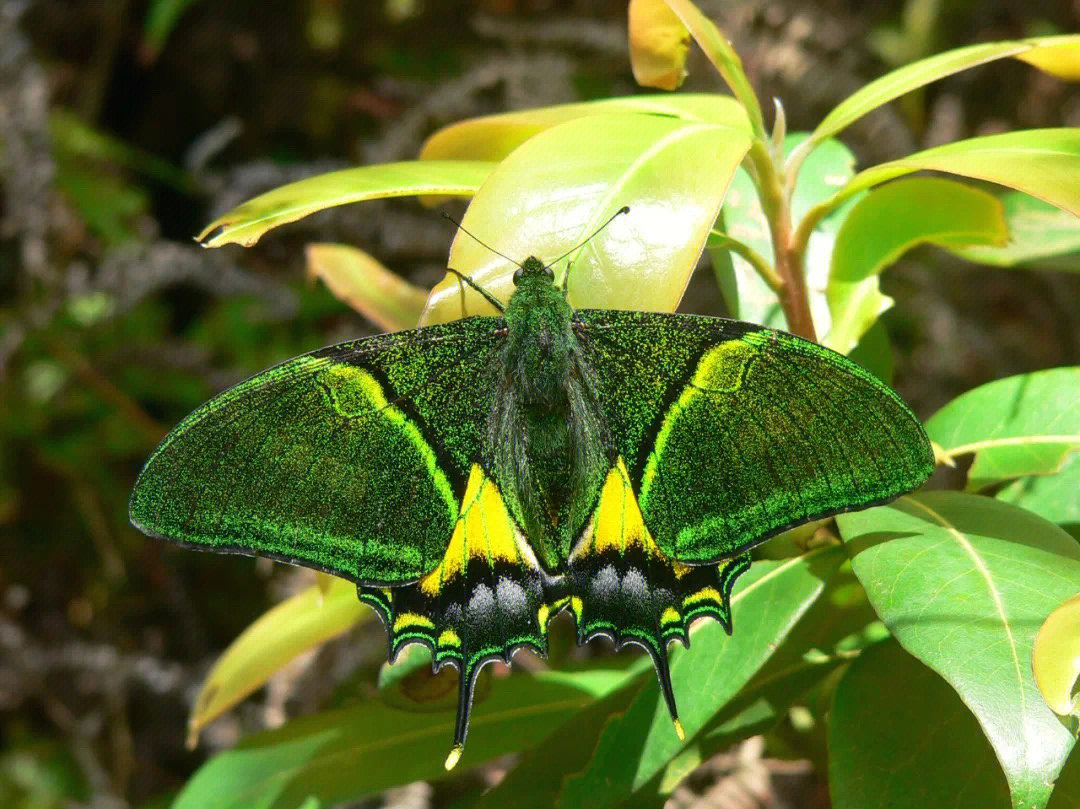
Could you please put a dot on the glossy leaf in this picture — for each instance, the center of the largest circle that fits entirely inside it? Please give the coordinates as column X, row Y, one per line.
column 1054, row 54
column 1022, row 425
column 1037, row 231
column 671, row 173
column 1044, row 163
column 885, row 224
column 493, row 137
column 964, row 582
column 899, row 736
column 246, row 223
column 1055, row 659
column 347, row 754
column 297, row 624
column 828, row 168
column 635, row 747
column 1052, row 497
column 362, row 282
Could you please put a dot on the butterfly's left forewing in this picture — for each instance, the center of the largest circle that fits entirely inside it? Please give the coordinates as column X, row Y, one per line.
column 352, row 459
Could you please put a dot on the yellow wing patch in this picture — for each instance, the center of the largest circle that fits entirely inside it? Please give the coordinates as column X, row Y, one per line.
column 484, row 530
column 617, row 523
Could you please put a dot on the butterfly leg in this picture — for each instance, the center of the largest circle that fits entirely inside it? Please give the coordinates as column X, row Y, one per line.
column 482, row 603
column 621, row 584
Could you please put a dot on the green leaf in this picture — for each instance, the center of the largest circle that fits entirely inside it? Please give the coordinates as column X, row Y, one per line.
column 297, row 624
column 964, row 582
column 672, row 174
column 900, row 737
column 626, row 739
column 1052, row 497
column 493, row 137
column 347, row 754
column 358, row 279
column 637, row 746
column 161, row 17
column 1044, row 163
column 1022, row 425
column 829, row 167
column 1056, row 51
column 1037, row 231
column 1055, row 659
column 246, row 223
column 888, row 222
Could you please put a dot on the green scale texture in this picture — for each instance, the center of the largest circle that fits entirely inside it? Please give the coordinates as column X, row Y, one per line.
column 354, row 459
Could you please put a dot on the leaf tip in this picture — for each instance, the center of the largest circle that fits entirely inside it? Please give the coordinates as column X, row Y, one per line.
column 454, row 756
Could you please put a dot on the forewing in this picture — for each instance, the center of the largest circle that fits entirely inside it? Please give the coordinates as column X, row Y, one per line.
column 352, row 459
column 733, row 433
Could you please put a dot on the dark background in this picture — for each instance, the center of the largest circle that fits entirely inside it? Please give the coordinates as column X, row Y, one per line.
column 115, row 151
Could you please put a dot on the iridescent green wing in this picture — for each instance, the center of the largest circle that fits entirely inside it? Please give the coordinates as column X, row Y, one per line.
column 732, row 433
column 352, row 459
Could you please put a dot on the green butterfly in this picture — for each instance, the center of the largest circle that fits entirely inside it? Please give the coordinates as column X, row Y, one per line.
column 477, row 477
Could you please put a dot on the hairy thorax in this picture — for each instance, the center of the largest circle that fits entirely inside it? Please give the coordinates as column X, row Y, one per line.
column 536, row 432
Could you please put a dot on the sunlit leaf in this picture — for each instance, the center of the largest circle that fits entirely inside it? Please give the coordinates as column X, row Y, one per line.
column 626, row 739
column 638, row 745
column 1022, row 425
column 344, row 755
column 1037, row 231
column 1055, row 660
column 246, row 223
column 964, row 582
column 280, row 634
column 1055, row 54
column 886, row 223
column 561, row 185
column 1044, row 163
column 1053, row 497
column 493, row 137
column 361, row 281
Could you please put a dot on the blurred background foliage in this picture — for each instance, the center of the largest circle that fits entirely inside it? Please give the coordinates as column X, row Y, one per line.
column 126, row 126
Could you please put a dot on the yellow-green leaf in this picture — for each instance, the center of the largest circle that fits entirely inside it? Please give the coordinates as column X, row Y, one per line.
column 1057, row 55
column 276, row 637
column 885, row 224
column 361, row 281
column 493, row 137
column 560, row 186
column 246, row 223
column 1055, row 658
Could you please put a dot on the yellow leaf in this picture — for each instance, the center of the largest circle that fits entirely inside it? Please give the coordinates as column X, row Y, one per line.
column 361, row 281
column 658, row 44
column 1055, row 657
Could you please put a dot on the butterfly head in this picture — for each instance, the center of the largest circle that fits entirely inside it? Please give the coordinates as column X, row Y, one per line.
column 533, row 268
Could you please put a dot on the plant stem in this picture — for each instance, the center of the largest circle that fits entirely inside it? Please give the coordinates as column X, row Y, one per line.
column 787, row 255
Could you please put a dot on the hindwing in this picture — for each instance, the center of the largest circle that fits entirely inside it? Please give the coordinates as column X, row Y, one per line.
column 487, row 598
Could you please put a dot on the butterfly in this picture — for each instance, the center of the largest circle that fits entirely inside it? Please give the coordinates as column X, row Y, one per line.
column 477, row 477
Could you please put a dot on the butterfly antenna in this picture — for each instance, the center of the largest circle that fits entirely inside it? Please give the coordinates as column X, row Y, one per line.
column 487, row 295
column 477, row 240
column 620, row 212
